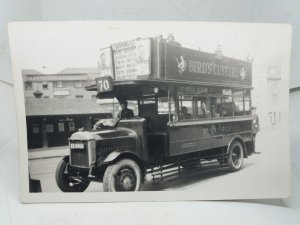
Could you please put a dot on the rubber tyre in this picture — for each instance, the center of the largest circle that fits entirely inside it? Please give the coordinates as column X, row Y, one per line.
column 124, row 175
column 62, row 180
column 236, row 156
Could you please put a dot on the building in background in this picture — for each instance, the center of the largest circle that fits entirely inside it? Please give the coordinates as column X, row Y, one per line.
column 68, row 83
column 50, row 122
column 274, row 92
column 268, row 83
column 57, row 105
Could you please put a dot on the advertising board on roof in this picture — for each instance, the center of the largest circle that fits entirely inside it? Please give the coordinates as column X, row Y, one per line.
column 192, row 65
column 132, row 58
column 105, row 63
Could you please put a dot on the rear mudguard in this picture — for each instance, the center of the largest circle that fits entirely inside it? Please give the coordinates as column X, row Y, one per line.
column 240, row 139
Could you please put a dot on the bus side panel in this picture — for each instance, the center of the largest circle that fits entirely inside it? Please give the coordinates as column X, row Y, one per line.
column 193, row 138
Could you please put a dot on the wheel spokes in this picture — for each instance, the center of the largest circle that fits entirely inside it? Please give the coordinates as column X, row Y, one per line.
column 235, row 156
column 125, row 180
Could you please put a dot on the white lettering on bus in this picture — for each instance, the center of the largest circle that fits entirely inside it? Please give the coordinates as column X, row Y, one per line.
column 212, row 69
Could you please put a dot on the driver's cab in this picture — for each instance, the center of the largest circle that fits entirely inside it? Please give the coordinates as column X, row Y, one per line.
column 153, row 103
column 156, row 120
column 157, row 115
column 155, row 108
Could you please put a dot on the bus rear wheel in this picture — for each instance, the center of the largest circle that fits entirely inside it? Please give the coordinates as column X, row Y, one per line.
column 236, row 156
column 124, row 175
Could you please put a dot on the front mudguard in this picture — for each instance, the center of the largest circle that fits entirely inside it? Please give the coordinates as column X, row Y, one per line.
column 118, row 155
column 66, row 158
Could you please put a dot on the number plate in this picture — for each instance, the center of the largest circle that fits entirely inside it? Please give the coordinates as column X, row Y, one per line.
column 77, row 146
column 104, row 84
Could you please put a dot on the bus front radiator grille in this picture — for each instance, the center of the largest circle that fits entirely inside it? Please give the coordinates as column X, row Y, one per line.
column 104, row 152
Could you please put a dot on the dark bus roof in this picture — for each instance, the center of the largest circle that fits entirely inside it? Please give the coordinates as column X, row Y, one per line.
column 131, row 89
column 167, row 83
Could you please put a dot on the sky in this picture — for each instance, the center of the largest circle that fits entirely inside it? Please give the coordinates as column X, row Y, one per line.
column 52, row 46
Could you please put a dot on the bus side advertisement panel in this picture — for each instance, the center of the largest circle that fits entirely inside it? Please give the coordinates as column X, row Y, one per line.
column 192, row 65
column 193, row 138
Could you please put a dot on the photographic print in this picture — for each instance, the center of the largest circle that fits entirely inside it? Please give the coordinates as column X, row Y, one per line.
column 152, row 111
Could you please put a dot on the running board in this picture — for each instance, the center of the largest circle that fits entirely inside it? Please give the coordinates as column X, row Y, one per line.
column 176, row 169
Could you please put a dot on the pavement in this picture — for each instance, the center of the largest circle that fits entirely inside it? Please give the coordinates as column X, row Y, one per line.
column 51, row 152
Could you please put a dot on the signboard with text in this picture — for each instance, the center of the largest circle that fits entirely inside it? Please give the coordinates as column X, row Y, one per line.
column 104, row 84
column 61, row 92
column 192, row 65
column 132, row 58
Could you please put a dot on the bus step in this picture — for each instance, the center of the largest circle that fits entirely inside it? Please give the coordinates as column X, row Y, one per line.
column 158, row 179
column 176, row 169
column 166, row 172
column 156, row 169
column 190, row 162
column 163, row 172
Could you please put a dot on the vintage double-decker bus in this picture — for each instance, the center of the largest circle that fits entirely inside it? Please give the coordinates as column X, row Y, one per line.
column 193, row 107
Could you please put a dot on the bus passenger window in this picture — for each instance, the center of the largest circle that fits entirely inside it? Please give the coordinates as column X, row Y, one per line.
column 238, row 106
column 216, row 107
column 186, row 108
column 203, row 108
column 238, row 103
column 227, row 106
column 163, row 107
column 247, row 105
column 185, row 113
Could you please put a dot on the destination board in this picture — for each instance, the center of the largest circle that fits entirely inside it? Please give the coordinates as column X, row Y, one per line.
column 132, row 58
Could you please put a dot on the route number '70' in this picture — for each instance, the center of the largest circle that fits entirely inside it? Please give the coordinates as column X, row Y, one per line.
column 104, row 84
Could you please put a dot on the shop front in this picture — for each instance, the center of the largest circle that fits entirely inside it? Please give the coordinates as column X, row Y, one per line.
column 55, row 124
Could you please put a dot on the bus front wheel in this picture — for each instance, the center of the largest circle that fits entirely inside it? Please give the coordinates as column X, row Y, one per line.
column 236, row 156
column 65, row 182
column 124, row 175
